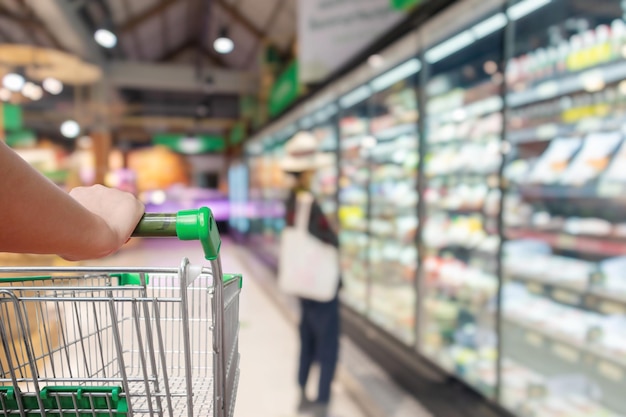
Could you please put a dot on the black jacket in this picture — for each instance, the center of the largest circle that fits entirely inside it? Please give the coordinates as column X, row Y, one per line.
column 318, row 223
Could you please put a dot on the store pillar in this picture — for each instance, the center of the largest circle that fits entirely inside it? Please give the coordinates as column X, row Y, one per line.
column 101, row 148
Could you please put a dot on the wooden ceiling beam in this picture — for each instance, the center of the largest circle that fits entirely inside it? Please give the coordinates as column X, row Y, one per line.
column 193, row 44
column 213, row 57
column 30, row 22
column 270, row 22
column 236, row 15
column 135, row 35
column 174, row 53
column 133, row 22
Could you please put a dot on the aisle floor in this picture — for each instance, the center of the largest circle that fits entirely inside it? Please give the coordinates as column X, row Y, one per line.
column 268, row 340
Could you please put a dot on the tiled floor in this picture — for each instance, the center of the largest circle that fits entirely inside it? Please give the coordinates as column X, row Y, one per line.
column 268, row 340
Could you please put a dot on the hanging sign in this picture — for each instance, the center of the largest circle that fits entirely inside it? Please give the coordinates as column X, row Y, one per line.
column 330, row 32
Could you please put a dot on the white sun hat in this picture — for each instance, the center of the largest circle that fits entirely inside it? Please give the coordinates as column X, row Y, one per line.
column 301, row 153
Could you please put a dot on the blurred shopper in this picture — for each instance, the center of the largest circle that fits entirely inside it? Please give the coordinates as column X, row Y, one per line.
column 319, row 324
column 38, row 217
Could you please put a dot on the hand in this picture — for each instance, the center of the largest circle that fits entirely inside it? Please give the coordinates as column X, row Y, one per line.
column 118, row 213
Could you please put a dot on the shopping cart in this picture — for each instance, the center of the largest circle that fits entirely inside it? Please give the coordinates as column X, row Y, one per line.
column 96, row 342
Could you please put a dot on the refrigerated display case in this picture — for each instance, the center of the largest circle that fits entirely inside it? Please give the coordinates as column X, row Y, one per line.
column 239, row 217
column 324, row 183
column 564, row 299
column 354, row 177
column 393, row 164
column 268, row 190
column 461, row 197
column 494, row 173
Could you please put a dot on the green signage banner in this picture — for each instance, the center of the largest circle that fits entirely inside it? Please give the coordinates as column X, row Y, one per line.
column 405, row 4
column 21, row 138
column 12, row 116
column 237, row 133
column 285, row 90
column 190, row 144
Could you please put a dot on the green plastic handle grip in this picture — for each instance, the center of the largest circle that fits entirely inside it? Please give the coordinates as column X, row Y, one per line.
column 198, row 224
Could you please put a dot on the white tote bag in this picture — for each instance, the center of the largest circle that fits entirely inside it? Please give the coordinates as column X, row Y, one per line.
column 308, row 268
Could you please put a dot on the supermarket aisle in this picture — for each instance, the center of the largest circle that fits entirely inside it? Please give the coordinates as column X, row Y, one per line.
column 268, row 341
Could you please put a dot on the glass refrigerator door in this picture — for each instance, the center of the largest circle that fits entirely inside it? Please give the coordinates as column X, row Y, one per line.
column 238, row 197
column 564, row 297
column 275, row 195
column 324, row 184
column 393, row 201
column 462, row 198
column 353, row 202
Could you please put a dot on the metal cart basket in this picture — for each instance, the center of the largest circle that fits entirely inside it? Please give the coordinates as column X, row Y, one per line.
column 95, row 342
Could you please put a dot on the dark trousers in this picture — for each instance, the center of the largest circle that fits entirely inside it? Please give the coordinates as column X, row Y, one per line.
column 319, row 338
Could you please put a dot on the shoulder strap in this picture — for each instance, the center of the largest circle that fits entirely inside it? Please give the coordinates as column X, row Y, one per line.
column 304, row 201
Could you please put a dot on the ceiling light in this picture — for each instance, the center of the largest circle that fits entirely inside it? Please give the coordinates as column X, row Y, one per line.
column 376, row 61
column 14, row 82
column 32, row 91
column 490, row 67
column 28, row 88
column 70, row 129
column 449, row 47
column 105, row 38
column 355, row 96
column 399, row 73
column 36, row 93
column 223, row 44
column 5, row 94
column 490, row 25
column 52, row 85
column 524, row 8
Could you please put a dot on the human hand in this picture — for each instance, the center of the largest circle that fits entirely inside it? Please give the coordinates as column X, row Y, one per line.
column 117, row 214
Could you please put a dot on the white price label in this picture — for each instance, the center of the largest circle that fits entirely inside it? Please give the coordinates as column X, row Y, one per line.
column 534, row 339
column 612, row 308
column 610, row 189
column 548, row 89
column 610, row 371
column 566, row 353
column 535, row 288
column 566, row 242
column 566, row 297
column 547, row 131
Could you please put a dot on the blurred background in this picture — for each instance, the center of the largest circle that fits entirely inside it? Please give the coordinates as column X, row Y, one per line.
column 476, row 182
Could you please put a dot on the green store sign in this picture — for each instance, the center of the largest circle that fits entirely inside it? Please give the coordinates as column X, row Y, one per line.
column 21, row 138
column 285, row 90
column 405, row 4
column 12, row 116
column 237, row 133
column 190, row 145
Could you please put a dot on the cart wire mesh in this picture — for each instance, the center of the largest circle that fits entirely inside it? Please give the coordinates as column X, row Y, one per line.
column 119, row 342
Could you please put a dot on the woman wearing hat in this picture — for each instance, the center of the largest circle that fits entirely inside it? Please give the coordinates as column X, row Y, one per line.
column 319, row 324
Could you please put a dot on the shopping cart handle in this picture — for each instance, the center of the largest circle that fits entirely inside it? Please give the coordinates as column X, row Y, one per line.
column 198, row 224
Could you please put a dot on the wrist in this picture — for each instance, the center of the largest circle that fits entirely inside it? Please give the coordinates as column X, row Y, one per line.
column 99, row 240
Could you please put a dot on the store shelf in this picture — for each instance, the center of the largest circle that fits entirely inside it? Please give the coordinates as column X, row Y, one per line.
column 591, row 245
column 469, row 111
column 394, row 132
column 458, row 211
column 462, row 175
column 569, row 350
column 584, row 81
column 549, row 131
column 581, row 295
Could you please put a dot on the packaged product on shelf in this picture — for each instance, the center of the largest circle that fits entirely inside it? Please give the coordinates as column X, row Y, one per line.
column 587, row 226
column 554, row 161
column 613, row 273
column 615, row 171
column 592, row 159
